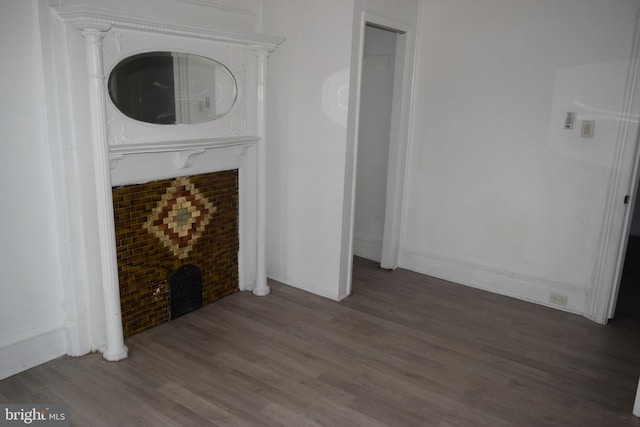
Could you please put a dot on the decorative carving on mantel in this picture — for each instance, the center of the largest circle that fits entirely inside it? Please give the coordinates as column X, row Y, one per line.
column 186, row 159
column 242, row 149
column 111, row 43
column 117, row 130
column 237, row 59
column 88, row 26
column 114, row 159
column 239, row 123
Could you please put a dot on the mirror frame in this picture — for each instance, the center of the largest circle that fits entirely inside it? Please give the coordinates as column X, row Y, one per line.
column 174, row 97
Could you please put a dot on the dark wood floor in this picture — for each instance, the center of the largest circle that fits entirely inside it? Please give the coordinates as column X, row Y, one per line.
column 405, row 349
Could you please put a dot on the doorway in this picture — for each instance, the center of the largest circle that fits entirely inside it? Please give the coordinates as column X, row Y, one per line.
column 628, row 301
column 390, row 190
column 374, row 134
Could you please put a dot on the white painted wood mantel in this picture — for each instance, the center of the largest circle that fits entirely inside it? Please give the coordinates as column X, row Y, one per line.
column 123, row 151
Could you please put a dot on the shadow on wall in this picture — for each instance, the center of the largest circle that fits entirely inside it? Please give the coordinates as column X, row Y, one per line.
column 335, row 97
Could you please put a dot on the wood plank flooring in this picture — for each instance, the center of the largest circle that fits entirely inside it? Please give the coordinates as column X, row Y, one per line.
column 403, row 350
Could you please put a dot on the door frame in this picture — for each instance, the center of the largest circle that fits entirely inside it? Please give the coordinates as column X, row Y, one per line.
column 636, row 404
column 396, row 163
column 398, row 144
column 623, row 182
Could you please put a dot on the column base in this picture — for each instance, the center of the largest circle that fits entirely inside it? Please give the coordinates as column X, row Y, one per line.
column 116, row 356
column 261, row 291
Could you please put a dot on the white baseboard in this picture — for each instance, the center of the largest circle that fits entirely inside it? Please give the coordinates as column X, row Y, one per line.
column 25, row 353
column 368, row 248
column 308, row 287
column 506, row 283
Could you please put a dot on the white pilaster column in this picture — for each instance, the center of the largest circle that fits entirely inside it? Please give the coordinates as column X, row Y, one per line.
column 115, row 348
column 261, row 288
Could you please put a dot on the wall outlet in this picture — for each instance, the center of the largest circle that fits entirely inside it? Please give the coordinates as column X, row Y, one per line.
column 569, row 120
column 588, row 128
column 558, row 299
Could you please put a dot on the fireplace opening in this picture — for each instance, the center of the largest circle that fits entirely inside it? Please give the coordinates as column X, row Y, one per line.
column 185, row 290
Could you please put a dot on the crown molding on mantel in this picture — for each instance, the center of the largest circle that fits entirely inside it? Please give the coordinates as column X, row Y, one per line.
column 91, row 15
column 212, row 4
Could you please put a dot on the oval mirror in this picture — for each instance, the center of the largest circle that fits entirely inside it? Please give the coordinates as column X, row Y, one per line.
column 172, row 88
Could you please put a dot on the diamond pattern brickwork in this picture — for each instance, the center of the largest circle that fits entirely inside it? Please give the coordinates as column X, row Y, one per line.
column 180, row 217
column 163, row 225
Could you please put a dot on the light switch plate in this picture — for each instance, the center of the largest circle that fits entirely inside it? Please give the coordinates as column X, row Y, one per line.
column 588, row 128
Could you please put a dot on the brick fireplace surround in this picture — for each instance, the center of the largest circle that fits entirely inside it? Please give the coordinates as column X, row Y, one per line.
column 163, row 225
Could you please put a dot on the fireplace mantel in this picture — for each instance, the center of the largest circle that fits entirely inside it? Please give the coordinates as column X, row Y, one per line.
column 187, row 150
column 106, row 146
column 85, row 15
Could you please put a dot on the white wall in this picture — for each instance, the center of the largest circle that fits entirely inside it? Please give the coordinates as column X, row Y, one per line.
column 500, row 196
column 308, row 95
column 373, row 146
column 309, row 150
column 32, row 306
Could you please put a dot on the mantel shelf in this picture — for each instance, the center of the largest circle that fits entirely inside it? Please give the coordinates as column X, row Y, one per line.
column 182, row 145
column 187, row 149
